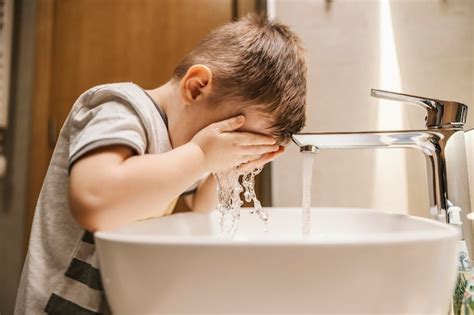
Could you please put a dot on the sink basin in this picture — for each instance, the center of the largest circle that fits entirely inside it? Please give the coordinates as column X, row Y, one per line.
column 355, row 261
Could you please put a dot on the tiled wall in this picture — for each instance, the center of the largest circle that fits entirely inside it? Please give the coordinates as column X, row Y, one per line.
column 423, row 47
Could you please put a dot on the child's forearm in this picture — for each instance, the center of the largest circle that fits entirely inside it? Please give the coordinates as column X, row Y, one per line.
column 205, row 198
column 131, row 188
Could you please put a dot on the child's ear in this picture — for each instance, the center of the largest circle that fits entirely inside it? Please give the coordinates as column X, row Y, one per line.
column 196, row 83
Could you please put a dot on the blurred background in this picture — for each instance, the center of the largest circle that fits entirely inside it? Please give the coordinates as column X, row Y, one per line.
column 53, row 50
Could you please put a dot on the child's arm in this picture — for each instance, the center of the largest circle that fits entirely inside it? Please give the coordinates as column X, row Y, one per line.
column 205, row 197
column 110, row 187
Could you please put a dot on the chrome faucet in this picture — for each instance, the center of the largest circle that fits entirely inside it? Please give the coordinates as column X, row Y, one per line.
column 442, row 143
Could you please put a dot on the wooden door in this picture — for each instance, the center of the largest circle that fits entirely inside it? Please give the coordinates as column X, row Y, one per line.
column 82, row 43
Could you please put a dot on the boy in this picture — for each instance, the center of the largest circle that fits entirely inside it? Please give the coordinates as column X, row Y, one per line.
column 126, row 154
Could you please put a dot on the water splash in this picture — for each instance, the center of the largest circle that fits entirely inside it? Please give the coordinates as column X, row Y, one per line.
column 248, row 182
column 229, row 203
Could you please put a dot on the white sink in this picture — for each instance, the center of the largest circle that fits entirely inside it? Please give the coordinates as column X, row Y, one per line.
column 355, row 261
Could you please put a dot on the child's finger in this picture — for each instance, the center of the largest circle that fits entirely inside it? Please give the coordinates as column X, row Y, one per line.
column 281, row 150
column 262, row 159
column 247, row 158
column 246, row 167
column 249, row 138
column 230, row 124
column 272, row 155
column 259, row 149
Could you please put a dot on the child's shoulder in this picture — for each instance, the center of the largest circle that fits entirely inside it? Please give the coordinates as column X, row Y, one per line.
column 127, row 92
column 119, row 89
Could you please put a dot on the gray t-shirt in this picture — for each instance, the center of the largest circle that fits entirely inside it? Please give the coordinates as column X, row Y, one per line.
column 61, row 274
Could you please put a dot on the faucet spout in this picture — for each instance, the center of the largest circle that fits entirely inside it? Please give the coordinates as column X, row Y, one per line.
column 421, row 139
column 444, row 150
column 309, row 149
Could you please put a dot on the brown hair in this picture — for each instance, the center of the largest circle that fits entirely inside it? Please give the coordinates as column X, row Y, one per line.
column 256, row 61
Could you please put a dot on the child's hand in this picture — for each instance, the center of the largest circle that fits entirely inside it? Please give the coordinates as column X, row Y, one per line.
column 260, row 162
column 225, row 148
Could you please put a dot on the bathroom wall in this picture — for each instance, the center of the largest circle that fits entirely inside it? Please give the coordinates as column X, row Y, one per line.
column 422, row 47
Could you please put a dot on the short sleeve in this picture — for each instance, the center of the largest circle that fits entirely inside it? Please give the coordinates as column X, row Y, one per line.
column 191, row 190
column 109, row 123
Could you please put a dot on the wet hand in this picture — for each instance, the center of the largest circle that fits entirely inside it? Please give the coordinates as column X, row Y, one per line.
column 261, row 161
column 223, row 147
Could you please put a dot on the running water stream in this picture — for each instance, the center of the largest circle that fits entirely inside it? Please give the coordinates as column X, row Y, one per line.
column 308, row 159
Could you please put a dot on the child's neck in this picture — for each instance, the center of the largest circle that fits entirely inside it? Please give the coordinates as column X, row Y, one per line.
column 167, row 97
column 162, row 95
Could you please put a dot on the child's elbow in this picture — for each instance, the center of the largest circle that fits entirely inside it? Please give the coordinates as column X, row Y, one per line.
column 86, row 208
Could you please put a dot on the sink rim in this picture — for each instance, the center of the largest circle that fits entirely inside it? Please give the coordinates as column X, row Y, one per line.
column 440, row 231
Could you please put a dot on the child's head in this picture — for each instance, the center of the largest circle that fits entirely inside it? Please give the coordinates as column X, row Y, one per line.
column 252, row 65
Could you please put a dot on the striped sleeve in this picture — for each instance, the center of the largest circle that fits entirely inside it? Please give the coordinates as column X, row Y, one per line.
column 80, row 291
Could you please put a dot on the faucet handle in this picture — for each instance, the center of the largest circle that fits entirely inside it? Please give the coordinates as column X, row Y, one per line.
column 440, row 114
